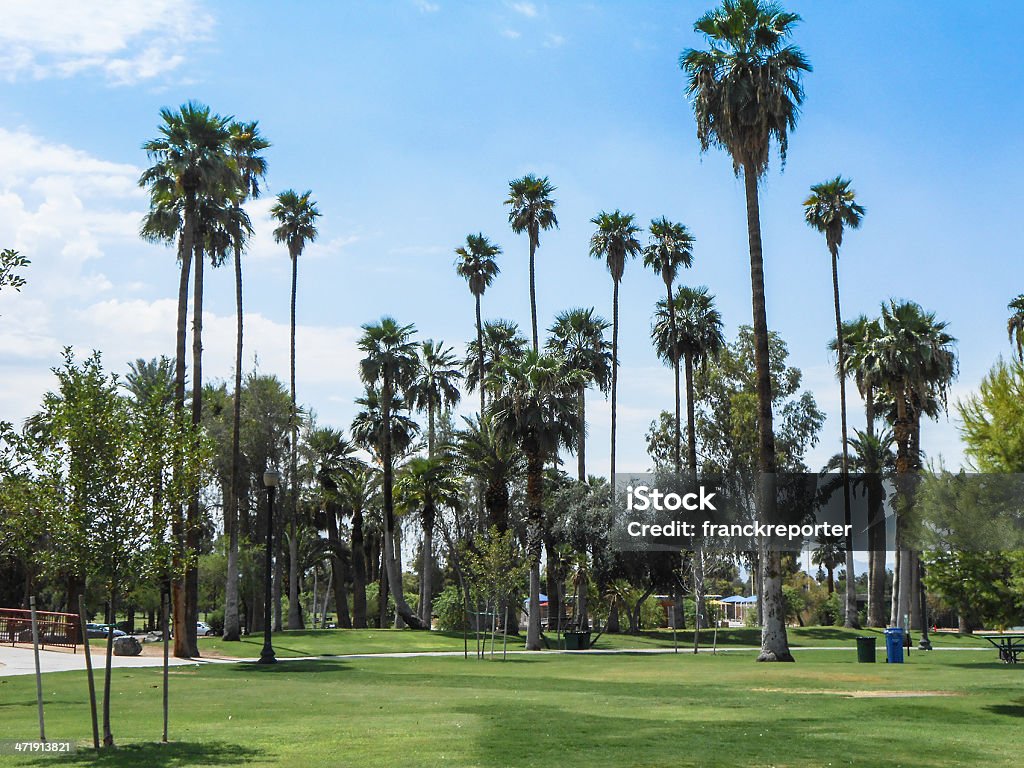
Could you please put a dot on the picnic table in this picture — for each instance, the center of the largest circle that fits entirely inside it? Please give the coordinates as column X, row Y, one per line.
column 1009, row 645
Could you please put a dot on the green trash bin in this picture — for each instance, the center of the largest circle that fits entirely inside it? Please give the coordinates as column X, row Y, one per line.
column 577, row 641
column 865, row 650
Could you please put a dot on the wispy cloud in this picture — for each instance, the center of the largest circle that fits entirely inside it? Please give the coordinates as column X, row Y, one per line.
column 425, row 6
column 124, row 41
column 511, row 34
column 554, row 41
column 527, row 9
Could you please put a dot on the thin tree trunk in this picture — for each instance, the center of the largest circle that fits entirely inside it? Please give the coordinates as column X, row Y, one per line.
column 108, row 737
column 691, row 420
column 535, row 514
column 480, row 358
column 615, row 376
column 294, row 611
column 850, row 613
column 193, row 530
column 232, row 631
column 904, row 467
column 774, row 642
column 358, row 572
column 674, row 356
column 581, row 436
column 533, row 293
column 427, row 567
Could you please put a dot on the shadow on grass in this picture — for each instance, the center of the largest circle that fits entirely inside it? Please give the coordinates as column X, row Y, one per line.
column 288, row 666
column 1007, row 710
column 156, row 755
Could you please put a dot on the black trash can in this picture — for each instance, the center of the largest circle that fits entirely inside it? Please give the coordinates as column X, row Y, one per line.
column 865, row 650
column 577, row 641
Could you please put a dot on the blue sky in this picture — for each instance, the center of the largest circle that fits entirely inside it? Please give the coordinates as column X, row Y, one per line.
column 407, row 119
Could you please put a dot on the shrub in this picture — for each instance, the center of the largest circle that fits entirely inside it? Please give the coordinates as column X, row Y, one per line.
column 450, row 609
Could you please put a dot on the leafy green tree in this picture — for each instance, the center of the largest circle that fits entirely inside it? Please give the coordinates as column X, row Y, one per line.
column 534, row 405
column 746, row 91
column 477, row 265
column 296, row 216
column 831, row 208
column 614, row 241
column 531, row 209
column 992, row 421
column 10, row 261
column 578, row 338
column 671, row 247
column 389, row 363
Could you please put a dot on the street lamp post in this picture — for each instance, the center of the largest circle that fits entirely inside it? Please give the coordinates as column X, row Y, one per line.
column 270, row 481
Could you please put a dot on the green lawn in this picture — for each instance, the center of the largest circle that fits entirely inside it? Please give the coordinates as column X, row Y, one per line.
column 330, row 642
column 549, row 710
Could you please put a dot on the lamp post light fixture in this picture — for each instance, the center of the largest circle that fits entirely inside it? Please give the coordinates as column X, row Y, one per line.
column 270, row 481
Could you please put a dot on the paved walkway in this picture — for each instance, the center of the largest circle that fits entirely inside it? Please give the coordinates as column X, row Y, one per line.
column 19, row 661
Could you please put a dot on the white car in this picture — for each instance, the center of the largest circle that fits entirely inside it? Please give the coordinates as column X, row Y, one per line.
column 204, row 630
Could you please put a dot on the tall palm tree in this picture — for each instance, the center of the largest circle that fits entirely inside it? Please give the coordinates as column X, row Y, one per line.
column 831, row 208
column 671, row 247
column 245, row 147
column 190, row 169
column 615, row 242
column 578, row 338
column 917, row 364
column 425, row 485
column 1015, row 325
column 746, row 90
column 531, row 209
column 696, row 325
column 476, row 264
column 390, row 365
column 501, row 338
column 534, row 405
column 296, row 216
column 436, row 385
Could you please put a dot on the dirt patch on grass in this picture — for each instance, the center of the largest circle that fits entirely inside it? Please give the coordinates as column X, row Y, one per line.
column 859, row 694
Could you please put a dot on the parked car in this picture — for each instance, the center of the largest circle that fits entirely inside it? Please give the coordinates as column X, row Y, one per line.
column 102, row 630
column 204, row 630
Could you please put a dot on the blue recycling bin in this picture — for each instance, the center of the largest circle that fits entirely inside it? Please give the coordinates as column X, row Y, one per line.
column 894, row 645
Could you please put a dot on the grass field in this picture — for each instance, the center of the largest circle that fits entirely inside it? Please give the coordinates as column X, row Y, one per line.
column 340, row 642
column 940, row 709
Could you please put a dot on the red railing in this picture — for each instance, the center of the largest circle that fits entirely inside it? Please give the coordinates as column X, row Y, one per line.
column 57, row 630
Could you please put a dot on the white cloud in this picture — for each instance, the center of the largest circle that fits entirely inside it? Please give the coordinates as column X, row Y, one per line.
column 554, row 41
column 124, row 41
column 527, row 9
column 426, row 7
column 511, row 34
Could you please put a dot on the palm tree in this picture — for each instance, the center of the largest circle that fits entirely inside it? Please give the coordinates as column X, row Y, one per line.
column 358, row 492
column 615, row 242
column 830, row 209
column 190, row 171
column 296, row 215
column 578, row 338
column 390, row 365
column 490, row 460
column 501, row 338
column 531, row 209
column 534, row 405
column 425, row 485
column 477, row 265
column 916, row 364
column 830, row 553
column 746, row 90
column 244, row 147
column 697, row 327
column 1015, row 325
column 436, row 385
column 671, row 247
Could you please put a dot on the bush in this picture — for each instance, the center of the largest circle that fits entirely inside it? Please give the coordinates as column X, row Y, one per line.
column 450, row 609
column 216, row 621
column 829, row 612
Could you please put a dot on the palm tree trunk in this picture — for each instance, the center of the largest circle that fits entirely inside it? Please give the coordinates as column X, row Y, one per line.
column 180, row 617
column 774, row 642
column 427, row 566
column 581, row 437
column 232, row 631
column 402, row 608
column 850, row 614
column 535, row 514
column 358, row 572
column 691, row 420
column 339, row 570
column 876, row 530
column 533, row 294
column 480, row 357
column 674, row 356
column 294, row 612
column 192, row 522
column 901, row 585
column 615, row 375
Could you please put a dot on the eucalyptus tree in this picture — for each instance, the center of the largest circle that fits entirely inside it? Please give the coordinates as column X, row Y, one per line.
column 1015, row 325
column 245, row 146
column 477, row 266
column 188, row 182
column 671, row 247
column 296, row 216
column 577, row 337
column 917, row 365
column 534, row 405
column 615, row 242
column 746, row 91
column 436, row 384
column 389, row 363
column 831, row 209
column 531, row 209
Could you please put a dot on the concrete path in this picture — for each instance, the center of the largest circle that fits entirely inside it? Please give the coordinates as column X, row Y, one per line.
column 19, row 661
